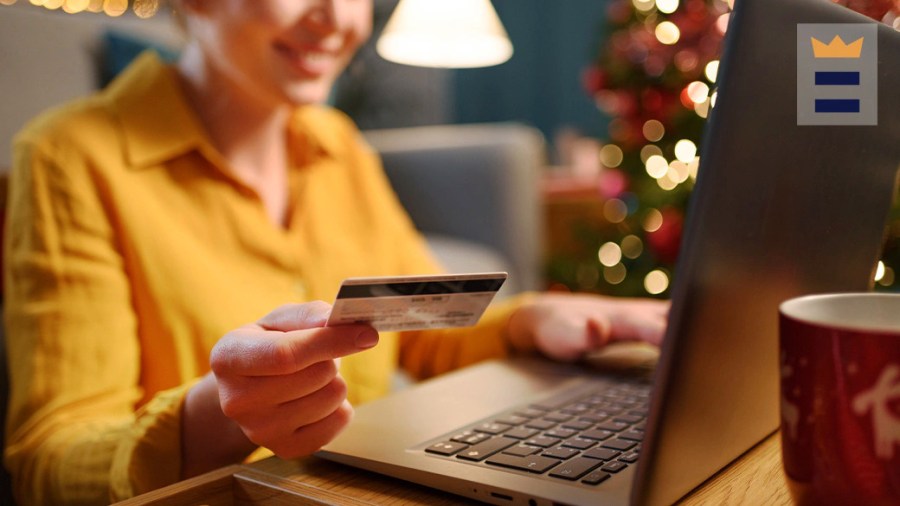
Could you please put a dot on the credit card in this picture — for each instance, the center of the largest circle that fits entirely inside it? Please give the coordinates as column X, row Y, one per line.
column 415, row 302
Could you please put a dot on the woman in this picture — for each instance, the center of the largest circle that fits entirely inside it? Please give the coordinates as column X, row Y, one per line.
column 151, row 220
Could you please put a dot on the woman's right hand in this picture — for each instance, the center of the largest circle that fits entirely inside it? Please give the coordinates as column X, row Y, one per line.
column 274, row 383
column 278, row 378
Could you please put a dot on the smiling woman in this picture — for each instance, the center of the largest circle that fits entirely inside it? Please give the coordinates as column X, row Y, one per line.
column 150, row 222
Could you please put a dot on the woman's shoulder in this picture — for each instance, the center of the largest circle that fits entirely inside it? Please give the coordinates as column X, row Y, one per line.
column 82, row 122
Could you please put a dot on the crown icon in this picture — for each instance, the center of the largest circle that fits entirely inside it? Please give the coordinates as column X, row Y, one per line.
column 837, row 48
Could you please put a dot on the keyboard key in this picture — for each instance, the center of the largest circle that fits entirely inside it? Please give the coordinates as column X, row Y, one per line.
column 560, row 433
column 631, row 458
column 446, row 448
column 532, row 463
column 601, row 453
column 492, row 428
column 599, row 435
column 634, row 435
column 610, row 425
column 541, row 424
column 626, row 419
column 558, row 417
column 619, row 444
column 470, row 437
column 521, row 432
column 595, row 478
column 593, row 417
column 543, row 441
column 577, row 424
column 577, row 442
column 561, row 452
column 485, row 449
column 530, row 412
column 575, row 409
column 614, row 467
column 522, row 450
column 574, row 469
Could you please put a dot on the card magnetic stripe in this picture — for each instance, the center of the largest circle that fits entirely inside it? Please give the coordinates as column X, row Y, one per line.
column 419, row 288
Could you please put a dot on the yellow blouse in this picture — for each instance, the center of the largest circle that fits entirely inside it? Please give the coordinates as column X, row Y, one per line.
column 131, row 249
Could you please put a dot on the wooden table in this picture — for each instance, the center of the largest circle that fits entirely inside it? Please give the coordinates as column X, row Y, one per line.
column 755, row 478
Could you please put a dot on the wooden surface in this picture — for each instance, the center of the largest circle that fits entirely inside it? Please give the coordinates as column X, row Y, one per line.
column 755, row 478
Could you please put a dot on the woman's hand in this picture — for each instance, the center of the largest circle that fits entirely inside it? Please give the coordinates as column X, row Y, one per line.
column 566, row 326
column 277, row 382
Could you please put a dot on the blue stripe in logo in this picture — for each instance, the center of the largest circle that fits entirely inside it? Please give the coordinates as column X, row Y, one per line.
column 837, row 105
column 837, row 78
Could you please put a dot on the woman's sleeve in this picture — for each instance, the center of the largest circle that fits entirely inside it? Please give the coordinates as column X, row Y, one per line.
column 428, row 353
column 73, row 432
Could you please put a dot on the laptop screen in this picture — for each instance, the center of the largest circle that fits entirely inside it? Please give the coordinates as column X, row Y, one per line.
column 786, row 203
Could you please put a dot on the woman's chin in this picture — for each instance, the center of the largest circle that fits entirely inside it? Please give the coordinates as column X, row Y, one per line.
column 306, row 93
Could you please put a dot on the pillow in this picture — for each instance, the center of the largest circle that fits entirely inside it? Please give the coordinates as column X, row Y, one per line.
column 119, row 49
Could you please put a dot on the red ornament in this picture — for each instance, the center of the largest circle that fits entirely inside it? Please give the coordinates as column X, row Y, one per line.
column 666, row 240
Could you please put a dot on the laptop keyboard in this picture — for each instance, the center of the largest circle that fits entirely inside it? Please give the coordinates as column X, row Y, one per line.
column 585, row 439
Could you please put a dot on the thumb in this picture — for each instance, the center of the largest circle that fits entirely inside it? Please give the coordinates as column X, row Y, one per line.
column 296, row 316
column 636, row 328
column 599, row 332
column 310, row 346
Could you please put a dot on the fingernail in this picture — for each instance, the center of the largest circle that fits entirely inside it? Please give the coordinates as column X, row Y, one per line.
column 366, row 339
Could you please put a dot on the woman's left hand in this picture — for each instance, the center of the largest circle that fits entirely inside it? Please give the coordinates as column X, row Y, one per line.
column 566, row 326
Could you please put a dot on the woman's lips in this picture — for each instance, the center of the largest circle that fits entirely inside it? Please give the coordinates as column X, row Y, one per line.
column 310, row 61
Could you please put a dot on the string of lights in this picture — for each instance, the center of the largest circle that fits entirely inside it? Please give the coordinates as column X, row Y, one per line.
column 113, row 8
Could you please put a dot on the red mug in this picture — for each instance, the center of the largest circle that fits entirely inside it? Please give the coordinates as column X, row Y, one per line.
column 840, row 398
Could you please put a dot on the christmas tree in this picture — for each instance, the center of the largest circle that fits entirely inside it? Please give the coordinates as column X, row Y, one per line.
column 655, row 77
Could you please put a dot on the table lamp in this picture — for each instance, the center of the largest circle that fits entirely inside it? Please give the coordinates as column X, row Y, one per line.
column 446, row 34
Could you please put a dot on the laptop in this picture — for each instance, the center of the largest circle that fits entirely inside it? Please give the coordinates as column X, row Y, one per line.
column 780, row 209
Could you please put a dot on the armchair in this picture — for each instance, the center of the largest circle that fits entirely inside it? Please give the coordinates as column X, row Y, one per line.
column 473, row 192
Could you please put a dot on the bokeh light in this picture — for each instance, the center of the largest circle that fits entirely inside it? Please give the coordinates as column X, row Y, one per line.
column 632, row 246
column 667, row 33
column 685, row 150
column 115, row 8
column 648, row 151
column 657, row 166
column 610, row 254
column 698, row 92
column 615, row 274
column 653, row 220
column 712, row 70
column 667, row 6
column 656, row 282
column 611, row 155
column 653, row 130
column 644, row 5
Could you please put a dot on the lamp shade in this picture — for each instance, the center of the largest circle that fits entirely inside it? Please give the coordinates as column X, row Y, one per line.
column 445, row 33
